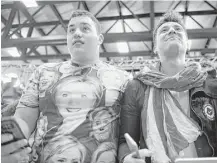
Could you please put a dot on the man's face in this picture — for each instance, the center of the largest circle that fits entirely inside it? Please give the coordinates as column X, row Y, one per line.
column 82, row 38
column 171, row 39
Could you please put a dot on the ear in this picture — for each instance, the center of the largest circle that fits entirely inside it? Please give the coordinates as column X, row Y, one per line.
column 100, row 39
column 188, row 45
column 155, row 50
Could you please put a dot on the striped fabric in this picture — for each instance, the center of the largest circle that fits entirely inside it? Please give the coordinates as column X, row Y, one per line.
column 166, row 128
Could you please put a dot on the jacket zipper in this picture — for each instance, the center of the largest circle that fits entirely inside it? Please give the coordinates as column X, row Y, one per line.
column 203, row 131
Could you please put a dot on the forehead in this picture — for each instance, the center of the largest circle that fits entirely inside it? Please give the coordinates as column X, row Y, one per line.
column 170, row 24
column 74, row 85
column 81, row 20
column 102, row 114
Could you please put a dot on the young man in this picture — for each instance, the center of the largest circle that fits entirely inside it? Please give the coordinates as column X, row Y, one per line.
column 170, row 109
column 60, row 98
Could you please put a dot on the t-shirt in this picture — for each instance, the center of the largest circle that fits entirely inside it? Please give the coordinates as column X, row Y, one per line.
column 79, row 112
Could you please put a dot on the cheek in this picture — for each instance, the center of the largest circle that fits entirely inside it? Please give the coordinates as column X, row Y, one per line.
column 69, row 40
column 91, row 40
column 61, row 100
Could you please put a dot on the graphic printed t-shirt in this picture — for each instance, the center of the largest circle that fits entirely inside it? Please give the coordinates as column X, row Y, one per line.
column 79, row 112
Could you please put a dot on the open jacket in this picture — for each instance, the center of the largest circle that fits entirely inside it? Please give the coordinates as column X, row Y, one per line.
column 203, row 110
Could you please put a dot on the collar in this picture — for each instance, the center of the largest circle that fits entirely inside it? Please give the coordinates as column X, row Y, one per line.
column 97, row 64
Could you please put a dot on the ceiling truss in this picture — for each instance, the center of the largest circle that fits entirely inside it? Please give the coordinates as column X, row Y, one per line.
column 29, row 44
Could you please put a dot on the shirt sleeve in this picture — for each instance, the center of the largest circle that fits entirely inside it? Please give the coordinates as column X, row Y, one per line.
column 132, row 102
column 28, row 106
column 30, row 95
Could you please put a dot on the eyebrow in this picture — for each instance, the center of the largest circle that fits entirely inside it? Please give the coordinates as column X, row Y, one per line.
column 167, row 26
column 72, row 25
column 164, row 28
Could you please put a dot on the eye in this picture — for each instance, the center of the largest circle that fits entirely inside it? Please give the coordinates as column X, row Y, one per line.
column 163, row 30
column 75, row 161
column 106, row 121
column 64, row 95
column 178, row 29
column 83, row 95
column 97, row 123
column 86, row 28
column 71, row 30
column 61, row 160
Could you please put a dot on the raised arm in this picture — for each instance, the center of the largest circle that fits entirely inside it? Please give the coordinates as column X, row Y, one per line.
column 132, row 103
column 28, row 107
column 26, row 114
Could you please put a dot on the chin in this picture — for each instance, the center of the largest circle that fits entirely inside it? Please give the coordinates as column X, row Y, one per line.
column 77, row 50
column 173, row 48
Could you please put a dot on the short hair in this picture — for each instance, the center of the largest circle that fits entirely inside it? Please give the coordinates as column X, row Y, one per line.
column 82, row 13
column 170, row 16
column 59, row 144
column 105, row 146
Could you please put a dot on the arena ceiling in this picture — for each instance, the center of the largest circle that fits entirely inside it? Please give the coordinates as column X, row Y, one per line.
column 39, row 33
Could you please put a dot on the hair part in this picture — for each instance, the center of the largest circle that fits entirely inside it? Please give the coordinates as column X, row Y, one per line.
column 170, row 16
column 83, row 13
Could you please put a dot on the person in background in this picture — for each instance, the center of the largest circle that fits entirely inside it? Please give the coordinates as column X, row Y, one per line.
column 170, row 108
column 83, row 41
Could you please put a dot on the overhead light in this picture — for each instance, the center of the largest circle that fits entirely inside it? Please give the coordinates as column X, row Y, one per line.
column 17, row 84
column 30, row 3
column 13, row 52
column 189, row 44
column 5, row 79
column 122, row 47
column 11, row 75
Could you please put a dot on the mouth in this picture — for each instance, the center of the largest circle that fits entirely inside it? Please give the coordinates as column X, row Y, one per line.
column 73, row 109
column 172, row 38
column 77, row 42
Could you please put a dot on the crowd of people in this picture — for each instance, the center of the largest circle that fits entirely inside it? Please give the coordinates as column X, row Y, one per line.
column 79, row 110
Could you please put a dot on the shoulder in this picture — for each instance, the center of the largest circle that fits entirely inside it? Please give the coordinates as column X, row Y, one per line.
column 134, row 85
column 112, row 72
column 50, row 65
column 115, row 69
column 210, row 85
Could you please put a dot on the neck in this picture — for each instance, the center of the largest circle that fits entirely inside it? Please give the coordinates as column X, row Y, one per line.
column 84, row 58
column 172, row 66
column 84, row 62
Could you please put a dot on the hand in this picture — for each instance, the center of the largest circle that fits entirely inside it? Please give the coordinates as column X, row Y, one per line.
column 14, row 152
column 132, row 158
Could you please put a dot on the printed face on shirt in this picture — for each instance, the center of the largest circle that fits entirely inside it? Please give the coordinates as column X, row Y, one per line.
column 113, row 82
column 47, row 78
column 73, row 96
column 70, row 155
column 171, row 36
column 102, row 126
column 111, row 79
column 107, row 157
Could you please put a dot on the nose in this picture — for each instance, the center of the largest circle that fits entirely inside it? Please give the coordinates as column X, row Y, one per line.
column 172, row 30
column 77, row 34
